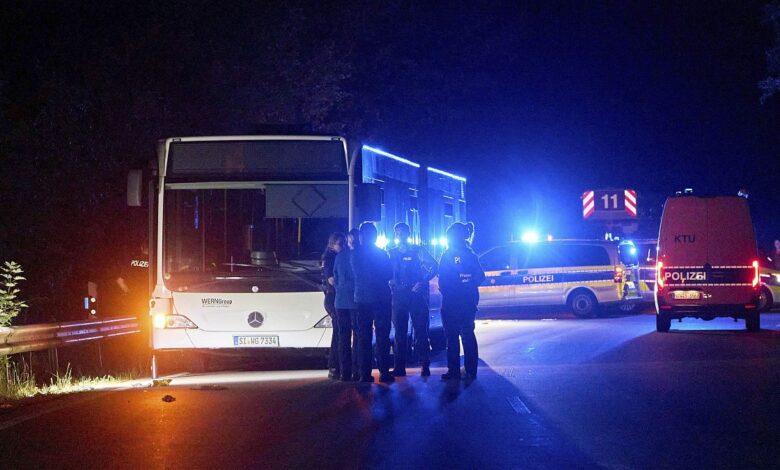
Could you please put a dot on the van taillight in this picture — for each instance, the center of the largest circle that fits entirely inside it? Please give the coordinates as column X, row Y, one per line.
column 756, row 275
column 659, row 275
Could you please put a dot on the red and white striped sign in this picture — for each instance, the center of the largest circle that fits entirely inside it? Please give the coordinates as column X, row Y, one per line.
column 588, row 203
column 630, row 202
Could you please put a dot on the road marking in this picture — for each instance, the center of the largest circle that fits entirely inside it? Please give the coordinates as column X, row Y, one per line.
column 517, row 404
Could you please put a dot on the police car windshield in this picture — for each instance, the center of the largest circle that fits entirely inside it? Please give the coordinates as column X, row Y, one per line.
column 223, row 235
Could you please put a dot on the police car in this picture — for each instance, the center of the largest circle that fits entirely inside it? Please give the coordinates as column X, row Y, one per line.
column 579, row 274
column 769, row 295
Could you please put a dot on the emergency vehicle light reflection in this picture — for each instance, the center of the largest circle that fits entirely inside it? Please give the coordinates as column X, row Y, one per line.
column 530, row 237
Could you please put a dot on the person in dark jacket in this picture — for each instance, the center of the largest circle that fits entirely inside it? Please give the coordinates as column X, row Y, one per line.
column 413, row 268
column 460, row 276
column 346, row 309
column 336, row 243
column 372, row 271
column 353, row 240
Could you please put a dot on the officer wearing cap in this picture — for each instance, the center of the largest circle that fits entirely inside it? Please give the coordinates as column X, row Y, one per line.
column 460, row 276
column 413, row 267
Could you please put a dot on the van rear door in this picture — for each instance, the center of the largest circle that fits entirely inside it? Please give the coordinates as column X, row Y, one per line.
column 731, row 249
column 730, row 240
column 683, row 235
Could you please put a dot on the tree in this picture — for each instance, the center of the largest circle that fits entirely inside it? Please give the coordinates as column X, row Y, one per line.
column 771, row 84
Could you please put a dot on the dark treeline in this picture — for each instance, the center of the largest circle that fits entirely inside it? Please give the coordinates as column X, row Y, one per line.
column 87, row 88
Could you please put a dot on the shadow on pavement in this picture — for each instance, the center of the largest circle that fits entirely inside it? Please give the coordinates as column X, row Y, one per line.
column 420, row 422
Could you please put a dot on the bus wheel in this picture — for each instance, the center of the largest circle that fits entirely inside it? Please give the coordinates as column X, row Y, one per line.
column 753, row 321
column 662, row 323
column 583, row 304
column 765, row 300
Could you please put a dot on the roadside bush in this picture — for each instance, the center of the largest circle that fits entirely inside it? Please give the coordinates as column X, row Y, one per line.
column 10, row 307
column 10, row 304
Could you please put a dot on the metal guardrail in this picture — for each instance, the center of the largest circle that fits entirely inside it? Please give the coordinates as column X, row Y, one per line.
column 19, row 339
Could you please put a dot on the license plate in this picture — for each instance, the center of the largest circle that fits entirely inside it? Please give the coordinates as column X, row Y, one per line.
column 265, row 341
column 686, row 295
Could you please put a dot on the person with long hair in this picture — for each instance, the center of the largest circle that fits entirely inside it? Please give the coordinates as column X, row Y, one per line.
column 346, row 310
column 336, row 243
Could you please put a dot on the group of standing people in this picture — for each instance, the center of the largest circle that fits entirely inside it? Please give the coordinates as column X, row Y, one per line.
column 368, row 290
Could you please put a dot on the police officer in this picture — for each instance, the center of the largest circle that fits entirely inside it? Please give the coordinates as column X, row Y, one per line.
column 130, row 291
column 413, row 267
column 336, row 242
column 346, row 309
column 372, row 270
column 353, row 241
column 460, row 275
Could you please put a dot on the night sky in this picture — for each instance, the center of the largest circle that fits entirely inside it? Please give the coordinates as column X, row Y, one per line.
column 533, row 102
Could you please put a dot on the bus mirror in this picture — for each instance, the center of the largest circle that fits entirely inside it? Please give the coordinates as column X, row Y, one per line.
column 369, row 202
column 134, row 188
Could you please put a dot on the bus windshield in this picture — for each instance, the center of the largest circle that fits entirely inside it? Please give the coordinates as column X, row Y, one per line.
column 224, row 240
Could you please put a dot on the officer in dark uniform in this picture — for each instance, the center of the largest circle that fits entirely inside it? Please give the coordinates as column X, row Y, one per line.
column 130, row 293
column 413, row 267
column 336, row 242
column 460, row 276
column 372, row 273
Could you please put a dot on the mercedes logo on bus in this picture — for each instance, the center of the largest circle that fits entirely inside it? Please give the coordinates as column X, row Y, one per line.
column 255, row 319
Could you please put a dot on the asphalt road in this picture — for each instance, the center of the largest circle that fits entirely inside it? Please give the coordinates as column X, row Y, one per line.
column 553, row 392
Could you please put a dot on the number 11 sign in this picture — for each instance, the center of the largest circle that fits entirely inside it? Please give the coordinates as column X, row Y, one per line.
column 609, row 204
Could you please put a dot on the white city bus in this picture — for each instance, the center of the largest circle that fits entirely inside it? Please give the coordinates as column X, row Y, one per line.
column 240, row 224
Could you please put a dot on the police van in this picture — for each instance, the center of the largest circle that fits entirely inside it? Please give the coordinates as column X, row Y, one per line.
column 707, row 261
column 579, row 274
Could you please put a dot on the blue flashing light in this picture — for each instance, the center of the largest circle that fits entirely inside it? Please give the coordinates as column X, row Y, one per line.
column 390, row 155
column 632, row 250
column 381, row 241
column 86, row 303
column 530, row 237
column 409, row 240
column 443, row 242
column 434, row 241
column 396, row 241
column 445, row 173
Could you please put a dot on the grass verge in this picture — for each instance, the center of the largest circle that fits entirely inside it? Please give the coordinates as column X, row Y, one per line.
column 18, row 382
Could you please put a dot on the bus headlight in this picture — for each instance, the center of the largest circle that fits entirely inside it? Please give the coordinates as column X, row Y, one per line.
column 161, row 321
column 326, row 322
